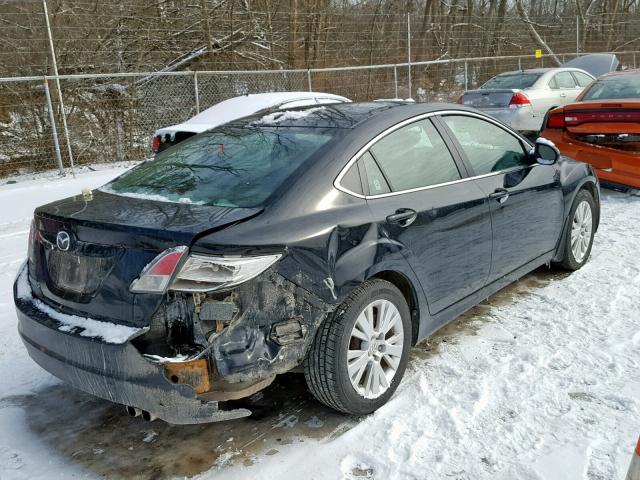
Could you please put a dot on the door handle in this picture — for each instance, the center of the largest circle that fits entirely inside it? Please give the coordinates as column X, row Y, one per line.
column 403, row 217
column 500, row 194
column 563, row 94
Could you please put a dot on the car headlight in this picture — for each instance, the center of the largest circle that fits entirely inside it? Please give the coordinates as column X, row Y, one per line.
column 204, row 273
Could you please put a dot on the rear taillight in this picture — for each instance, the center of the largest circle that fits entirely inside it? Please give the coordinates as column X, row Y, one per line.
column 174, row 269
column 519, row 99
column 33, row 238
column 155, row 143
column 577, row 118
column 555, row 121
column 156, row 276
column 460, row 100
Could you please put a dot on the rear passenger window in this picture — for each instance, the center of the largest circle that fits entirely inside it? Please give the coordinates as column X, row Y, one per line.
column 565, row 80
column 351, row 180
column 582, row 78
column 376, row 181
column 414, row 156
column 488, row 147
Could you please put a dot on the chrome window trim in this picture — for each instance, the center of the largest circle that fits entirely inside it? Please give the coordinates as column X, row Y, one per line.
column 359, row 153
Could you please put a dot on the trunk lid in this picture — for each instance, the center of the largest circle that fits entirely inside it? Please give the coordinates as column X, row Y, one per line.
column 106, row 242
column 487, row 99
column 596, row 63
column 612, row 124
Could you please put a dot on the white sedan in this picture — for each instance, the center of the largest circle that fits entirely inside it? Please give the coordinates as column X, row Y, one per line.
column 235, row 108
column 522, row 98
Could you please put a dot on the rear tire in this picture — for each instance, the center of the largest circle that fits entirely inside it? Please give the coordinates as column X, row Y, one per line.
column 580, row 231
column 360, row 353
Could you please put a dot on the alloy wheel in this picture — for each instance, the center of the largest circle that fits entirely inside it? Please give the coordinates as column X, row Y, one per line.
column 375, row 348
column 581, row 231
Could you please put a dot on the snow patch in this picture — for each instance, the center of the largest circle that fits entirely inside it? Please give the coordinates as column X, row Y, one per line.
column 314, row 422
column 278, row 117
column 106, row 331
column 146, row 196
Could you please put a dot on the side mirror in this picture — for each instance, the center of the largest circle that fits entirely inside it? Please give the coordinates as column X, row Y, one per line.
column 545, row 152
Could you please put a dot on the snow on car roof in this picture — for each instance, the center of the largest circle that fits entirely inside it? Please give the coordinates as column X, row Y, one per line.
column 238, row 107
column 285, row 115
column 338, row 115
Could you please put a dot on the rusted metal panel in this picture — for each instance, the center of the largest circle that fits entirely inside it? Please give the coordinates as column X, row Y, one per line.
column 194, row 373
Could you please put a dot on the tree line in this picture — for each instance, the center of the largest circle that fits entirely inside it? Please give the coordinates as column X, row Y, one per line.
column 91, row 36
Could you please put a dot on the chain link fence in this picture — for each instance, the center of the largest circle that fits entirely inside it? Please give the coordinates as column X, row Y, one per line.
column 111, row 118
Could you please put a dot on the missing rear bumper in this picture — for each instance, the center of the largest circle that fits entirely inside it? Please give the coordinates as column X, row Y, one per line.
column 117, row 373
column 264, row 338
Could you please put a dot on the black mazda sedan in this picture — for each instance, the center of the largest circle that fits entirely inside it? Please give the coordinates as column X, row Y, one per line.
column 328, row 240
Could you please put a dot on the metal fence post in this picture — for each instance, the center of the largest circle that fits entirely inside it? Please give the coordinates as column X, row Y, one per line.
column 54, row 128
column 395, row 81
column 309, row 79
column 577, row 36
column 57, row 77
column 195, row 91
column 466, row 75
column 519, row 63
column 409, row 50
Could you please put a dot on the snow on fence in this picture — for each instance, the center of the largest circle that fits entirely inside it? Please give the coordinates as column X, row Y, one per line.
column 111, row 117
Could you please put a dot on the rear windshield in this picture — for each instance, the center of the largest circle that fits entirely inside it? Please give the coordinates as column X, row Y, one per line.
column 512, row 80
column 227, row 167
column 614, row 87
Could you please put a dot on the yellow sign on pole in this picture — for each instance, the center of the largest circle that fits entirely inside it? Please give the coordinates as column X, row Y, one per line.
column 538, row 53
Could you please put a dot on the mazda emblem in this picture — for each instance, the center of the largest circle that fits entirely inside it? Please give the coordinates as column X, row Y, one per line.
column 63, row 240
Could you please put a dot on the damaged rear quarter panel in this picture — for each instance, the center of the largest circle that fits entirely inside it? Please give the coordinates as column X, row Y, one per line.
column 322, row 262
column 251, row 348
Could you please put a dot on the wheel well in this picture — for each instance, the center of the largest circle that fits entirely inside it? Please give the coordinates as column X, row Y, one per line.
column 406, row 287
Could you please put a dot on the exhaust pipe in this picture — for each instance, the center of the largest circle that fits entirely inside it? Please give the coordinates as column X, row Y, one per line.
column 149, row 417
column 133, row 411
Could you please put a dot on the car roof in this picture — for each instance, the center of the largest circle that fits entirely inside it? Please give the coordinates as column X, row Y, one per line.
column 346, row 115
column 631, row 72
column 254, row 102
column 544, row 70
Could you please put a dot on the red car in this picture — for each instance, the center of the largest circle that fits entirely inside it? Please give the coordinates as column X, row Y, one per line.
column 602, row 128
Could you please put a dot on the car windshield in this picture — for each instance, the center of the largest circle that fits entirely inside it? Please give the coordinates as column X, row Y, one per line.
column 229, row 166
column 520, row 80
column 614, row 87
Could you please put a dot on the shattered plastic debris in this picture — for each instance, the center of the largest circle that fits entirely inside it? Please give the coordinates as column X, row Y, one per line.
column 161, row 359
column 314, row 422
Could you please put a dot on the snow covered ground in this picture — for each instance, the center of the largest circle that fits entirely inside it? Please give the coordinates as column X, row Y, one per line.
column 542, row 381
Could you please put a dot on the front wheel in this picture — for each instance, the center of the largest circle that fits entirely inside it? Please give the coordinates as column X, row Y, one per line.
column 360, row 353
column 579, row 235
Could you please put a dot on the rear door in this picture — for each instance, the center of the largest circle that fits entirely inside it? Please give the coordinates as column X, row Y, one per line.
column 525, row 198
column 419, row 195
column 565, row 87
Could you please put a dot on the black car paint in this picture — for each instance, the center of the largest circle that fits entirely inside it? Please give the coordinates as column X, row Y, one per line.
column 445, row 262
column 139, row 229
